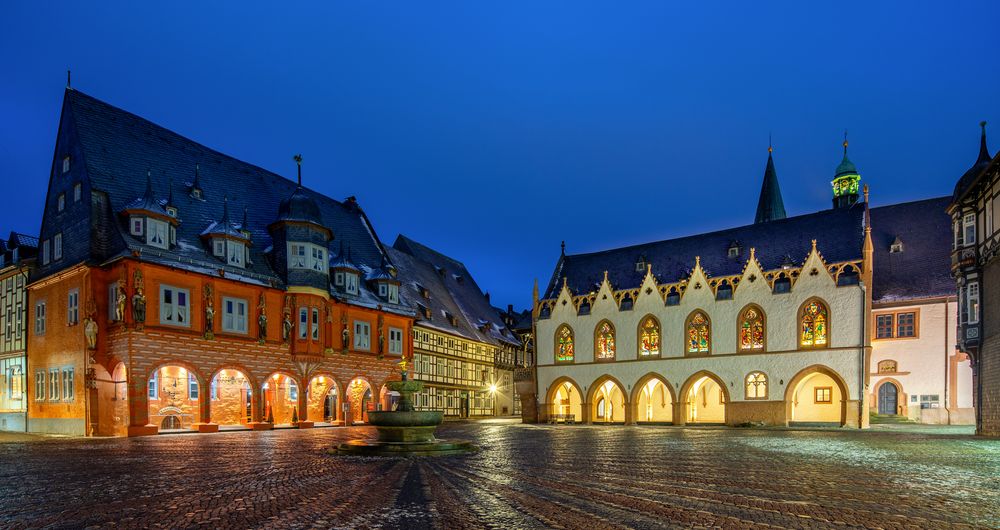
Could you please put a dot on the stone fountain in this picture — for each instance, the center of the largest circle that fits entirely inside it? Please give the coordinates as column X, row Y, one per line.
column 404, row 431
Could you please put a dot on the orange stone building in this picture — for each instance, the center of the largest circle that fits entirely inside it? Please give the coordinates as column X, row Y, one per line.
column 153, row 309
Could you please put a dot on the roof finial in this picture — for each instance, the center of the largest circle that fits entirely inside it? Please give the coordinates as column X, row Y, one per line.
column 845, row 142
column 69, row 78
column 562, row 248
column 225, row 210
column 770, row 146
column 298, row 162
column 984, row 152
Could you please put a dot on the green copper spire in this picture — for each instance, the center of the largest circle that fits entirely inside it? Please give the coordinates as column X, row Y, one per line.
column 846, row 181
column 770, row 207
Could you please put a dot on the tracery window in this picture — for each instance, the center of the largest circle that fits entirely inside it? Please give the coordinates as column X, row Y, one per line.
column 698, row 333
column 649, row 337
column 756, row 385
column 814, row 320
column 564, row 344
column 752, row 329
column 604, row 337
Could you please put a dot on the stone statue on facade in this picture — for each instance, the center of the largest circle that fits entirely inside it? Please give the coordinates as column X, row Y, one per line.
column 120, row 301
column 262, row 320
column 381, row 337
column 286, row 320
column 209, row 319
column 90, row 332
column 345, row 335
column 139, row 308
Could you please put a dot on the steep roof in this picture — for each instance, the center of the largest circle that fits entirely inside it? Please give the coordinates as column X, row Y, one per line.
column 770, row 206
column 452, row 289
column 982, row 162
column 119, row 149
column 923, row 268
column 839, row 234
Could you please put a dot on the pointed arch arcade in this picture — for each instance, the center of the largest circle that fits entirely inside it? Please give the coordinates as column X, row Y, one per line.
column 652, row 400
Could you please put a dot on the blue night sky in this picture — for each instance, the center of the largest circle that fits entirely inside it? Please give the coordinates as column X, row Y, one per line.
column 493, row 132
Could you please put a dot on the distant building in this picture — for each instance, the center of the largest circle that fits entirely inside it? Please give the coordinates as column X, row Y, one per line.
column 180, row 288
column 916, row 370
column 975, row 214
column 462, row 348
column 17, row 259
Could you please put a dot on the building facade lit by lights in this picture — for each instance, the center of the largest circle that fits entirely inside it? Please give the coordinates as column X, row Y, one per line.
column 17, row 259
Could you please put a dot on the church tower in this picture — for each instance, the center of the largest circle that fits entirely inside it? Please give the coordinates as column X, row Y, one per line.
column 845, row 182
column 770, row 207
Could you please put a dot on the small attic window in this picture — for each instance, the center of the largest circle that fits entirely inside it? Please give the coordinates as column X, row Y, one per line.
column 439, row 270
column 782, row 285
column 424, row 311
column 65, row 168
column 734, row 250
column 725, row 292
column 172, row 212
column 640, row 264
column 673, row 298
column 451, row 318
column 458, row 278
column 196, row 193
column 896, row 246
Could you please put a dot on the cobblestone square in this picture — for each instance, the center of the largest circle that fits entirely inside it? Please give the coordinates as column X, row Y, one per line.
column 525, row 477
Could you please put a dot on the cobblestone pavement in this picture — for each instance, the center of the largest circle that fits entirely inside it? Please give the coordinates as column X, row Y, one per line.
column 524, row 477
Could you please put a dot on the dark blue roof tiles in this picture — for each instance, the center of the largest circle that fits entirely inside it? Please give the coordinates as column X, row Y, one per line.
column 923, row 267
column 148, row 201
column 982, row 162
column 839, row 234
column 300, row 207
column 770, row 206
column 343, row 260
column 119, row 147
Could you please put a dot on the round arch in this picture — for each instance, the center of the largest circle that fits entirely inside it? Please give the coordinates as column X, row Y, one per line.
column 740, row 318
column 800, row 321
column 560, row 401
column 704, row 399
column 324, row 398
column 231, row 391
column 173, row 402
column 703, row 348
column 359, row 396
column 281, row 391
column 646, row 408
column 640, row 346
column 616, row 405
column 807, row 399
column 247, row 373
column 613, row 343
column 901, row 397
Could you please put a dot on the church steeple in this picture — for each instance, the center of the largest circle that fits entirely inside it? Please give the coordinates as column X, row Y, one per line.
column 770, row 207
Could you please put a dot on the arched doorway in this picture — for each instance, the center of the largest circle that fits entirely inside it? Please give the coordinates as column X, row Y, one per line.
column 388, row 399
column 654, row 400
column 706, row 400
column 281, row 399
column 888, row 399
column 173, row 393
column 566, row 401
column 607, row 402
column 359, row 400
column 109, row 413
column 324, row 400
column 816, row 395
column 232, row 396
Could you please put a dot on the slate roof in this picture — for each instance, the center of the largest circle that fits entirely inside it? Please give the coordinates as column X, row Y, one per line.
column 923, row 268
column 770, row 206
column 839, row 234
column 120, row 147
column 420, row 266
column 27, row 247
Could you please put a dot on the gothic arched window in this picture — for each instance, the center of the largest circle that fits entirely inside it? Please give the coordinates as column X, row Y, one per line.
column 698, row 333
column 564, row 344
column 604, row 342
column 814, row 322
column 649, row 337
column 751, row 329
column 756, row 385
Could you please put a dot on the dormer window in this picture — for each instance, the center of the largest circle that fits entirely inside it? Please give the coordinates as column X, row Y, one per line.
column 388, row 291
column 135, row 227
column 196, row 193
column 236, row 252
column 734, row 250
column 65, row 166
column 383, row 289
column 61, row 202
column 424, row 311
column 219, row 248
column 318, row 259
column 896, row 246
column 351, row 282
column 393, row 293
column 640, row 265
column 157, row 233
column 172, row 212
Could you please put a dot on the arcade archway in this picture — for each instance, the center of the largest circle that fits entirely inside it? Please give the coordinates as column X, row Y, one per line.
column 173, row 393
column 359, row 400
column 324, row 400
column 705, row 399
column 281, row 399
column 231, row 397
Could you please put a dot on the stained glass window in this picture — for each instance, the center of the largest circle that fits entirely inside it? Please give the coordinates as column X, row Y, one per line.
column 564, row 344
column 756, row 385
column 605, row 339
column 649, row 337
column 752, row 330
column 698, row 333
column 814, row 325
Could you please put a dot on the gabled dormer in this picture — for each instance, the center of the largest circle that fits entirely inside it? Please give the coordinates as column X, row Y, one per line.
column 194, row 188
column 148, row 221
column 346, row 274
column 384, row 282
column 226, row 241
column 301, row 240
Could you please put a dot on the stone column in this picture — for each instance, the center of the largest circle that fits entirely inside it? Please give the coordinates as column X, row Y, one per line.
column 679, row 417
column 586, row 412
column 303, row 407
column 205, row 409
column 138, row 407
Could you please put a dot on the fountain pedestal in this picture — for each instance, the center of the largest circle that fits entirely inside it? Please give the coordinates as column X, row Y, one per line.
column 404, row 431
